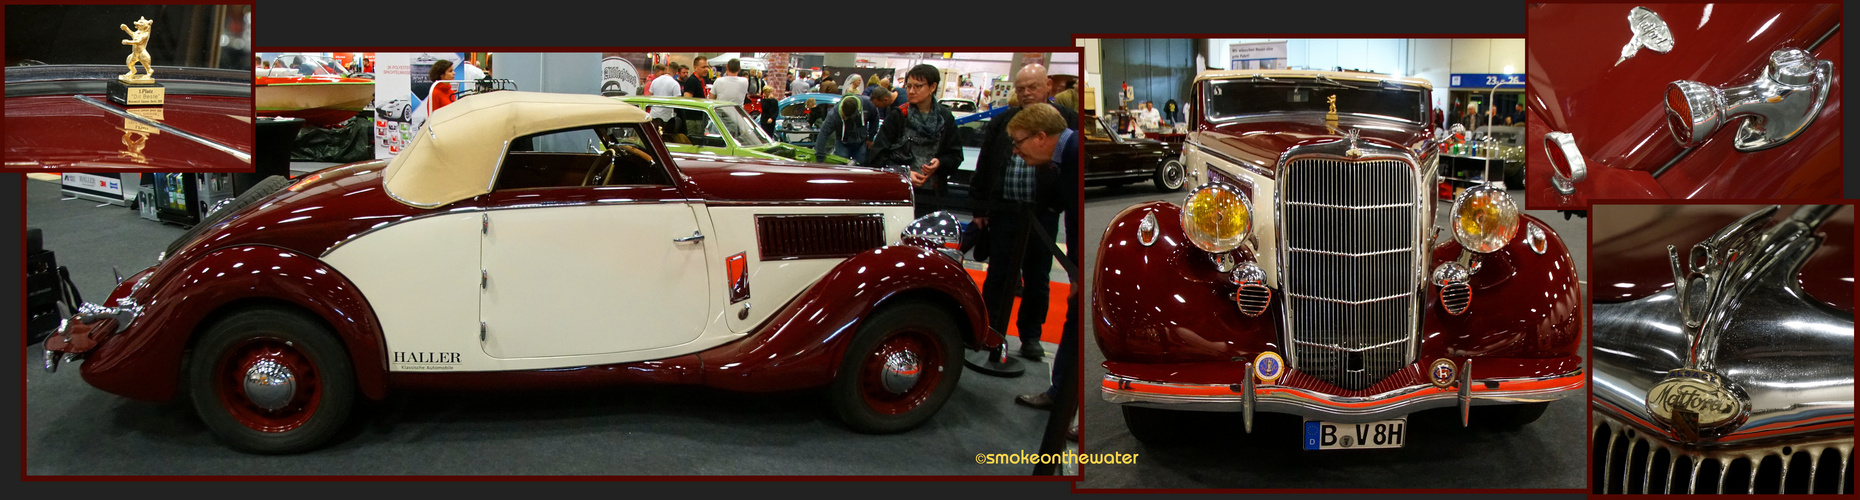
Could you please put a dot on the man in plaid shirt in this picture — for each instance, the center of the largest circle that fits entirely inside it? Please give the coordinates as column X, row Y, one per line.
column 1003, row 176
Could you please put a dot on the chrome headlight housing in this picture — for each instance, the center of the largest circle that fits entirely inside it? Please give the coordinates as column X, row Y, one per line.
column 1484, row 219
column 1216, row 217
column 938, row 230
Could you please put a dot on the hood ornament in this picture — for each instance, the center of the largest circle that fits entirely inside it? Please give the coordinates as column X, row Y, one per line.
column 1696, row 404
column 1650, row 31
column 1353, row 152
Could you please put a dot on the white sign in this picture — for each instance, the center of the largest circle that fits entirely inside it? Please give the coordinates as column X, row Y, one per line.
column 619, row 77
column 395, row 104
column 1260, row 55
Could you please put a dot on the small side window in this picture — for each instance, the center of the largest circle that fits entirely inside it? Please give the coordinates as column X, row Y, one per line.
column 605, row 155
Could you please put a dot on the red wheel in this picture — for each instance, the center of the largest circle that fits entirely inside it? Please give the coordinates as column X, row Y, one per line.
column 893, row 379
column 267, row 384
column 899, row 369
column 271, row 381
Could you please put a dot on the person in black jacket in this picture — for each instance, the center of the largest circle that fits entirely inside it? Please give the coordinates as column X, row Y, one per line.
column 920, row 135
column 1000, row 178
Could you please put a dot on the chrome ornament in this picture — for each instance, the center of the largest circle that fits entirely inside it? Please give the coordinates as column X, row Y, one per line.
column 1578, row 170
column 1649, row 30
column 1146, row 229
column 1441, row 373
column 1353, row 152
column 1774, row 108
column 1695, row 403
column 1534, row 236
column 1268, row 367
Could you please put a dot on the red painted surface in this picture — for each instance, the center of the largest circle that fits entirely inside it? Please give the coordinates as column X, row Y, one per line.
column 728, row 179
column 1167, row 305
column 1633, row 263
column 1262, row 139
column 62, row 133
column 143, row 362
column 229, row 380
column 929, row 351
column 1615, row 111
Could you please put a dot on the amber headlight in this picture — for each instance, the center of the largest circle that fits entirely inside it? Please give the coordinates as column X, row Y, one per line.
column 1216, row 217
column 1484, row 219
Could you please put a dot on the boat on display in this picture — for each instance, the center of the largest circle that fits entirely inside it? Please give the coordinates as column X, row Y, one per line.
column 322, row 97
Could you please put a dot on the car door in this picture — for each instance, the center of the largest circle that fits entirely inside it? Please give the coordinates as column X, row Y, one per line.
column 613, row 263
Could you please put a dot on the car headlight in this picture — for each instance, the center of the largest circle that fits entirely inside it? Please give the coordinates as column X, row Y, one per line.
column 938, row 231
column 1484, row 219
column 1216, row 217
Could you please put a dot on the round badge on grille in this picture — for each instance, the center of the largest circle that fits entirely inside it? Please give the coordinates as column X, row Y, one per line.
column 1268, row 367
column 1695, row 403
column 1441, row 373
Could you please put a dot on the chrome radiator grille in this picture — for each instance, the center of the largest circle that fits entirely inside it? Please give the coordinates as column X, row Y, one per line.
column 1349, row 268
column 1629, row 461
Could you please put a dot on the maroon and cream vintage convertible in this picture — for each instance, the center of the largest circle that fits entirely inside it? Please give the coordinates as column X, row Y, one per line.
column 1303, row 274
column 540, row 240
column 1701, row 100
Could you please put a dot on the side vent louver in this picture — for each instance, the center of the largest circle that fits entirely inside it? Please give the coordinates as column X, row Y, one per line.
column 784, row 237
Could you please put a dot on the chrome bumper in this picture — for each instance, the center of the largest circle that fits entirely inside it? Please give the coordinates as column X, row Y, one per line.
column 67, row 343
column 1465, row 393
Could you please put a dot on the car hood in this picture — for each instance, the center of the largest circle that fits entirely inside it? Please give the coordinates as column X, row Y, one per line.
column 1260, row 140
column 722, row 179
column 1637, row 265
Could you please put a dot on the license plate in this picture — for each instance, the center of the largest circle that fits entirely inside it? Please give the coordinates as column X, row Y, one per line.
column 1321, row 435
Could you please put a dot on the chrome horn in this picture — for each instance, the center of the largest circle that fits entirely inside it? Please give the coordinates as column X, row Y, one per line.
column 1777, row 106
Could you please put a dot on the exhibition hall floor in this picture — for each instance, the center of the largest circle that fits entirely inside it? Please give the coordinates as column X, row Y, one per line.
column 72, row 428
column 1549, row 453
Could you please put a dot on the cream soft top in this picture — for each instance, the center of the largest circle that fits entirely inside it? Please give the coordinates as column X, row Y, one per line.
column 1298, row 73
column 456, row 154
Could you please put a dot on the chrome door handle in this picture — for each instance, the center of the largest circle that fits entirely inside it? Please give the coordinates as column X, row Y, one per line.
column 695, row 236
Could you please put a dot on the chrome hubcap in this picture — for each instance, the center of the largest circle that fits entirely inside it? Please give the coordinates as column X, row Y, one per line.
column 270, row 385
column 901, row 371
column 1172, row 174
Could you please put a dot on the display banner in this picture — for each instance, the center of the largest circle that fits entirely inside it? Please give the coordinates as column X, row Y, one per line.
column 1260, row 55
column 98, row 188
column 394, row 104
column 1486, row 81
column 621, row 73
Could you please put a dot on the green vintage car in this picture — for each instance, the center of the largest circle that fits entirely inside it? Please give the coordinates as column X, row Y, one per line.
column 703, row 122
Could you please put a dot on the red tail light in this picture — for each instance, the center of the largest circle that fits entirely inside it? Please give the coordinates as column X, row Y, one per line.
column 737, row 272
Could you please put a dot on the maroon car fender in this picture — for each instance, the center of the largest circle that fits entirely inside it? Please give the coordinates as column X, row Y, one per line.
column 1524, row 305
column 145, row 360
column 801, row 345
column 1167, row 303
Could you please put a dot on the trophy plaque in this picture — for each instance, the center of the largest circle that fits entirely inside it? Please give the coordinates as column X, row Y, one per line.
column 133, row 88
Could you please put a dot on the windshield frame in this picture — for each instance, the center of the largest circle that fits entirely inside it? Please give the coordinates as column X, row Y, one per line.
column 1422, row 94
column 745, row 126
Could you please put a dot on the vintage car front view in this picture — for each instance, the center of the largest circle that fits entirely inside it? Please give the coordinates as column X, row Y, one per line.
column 1303, row 275
column 1724, row 349
column 531, row 240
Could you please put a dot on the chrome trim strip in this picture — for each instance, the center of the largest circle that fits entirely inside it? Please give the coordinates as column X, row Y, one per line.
column 1191, row 142
column 1359, row 349
column 1319, row 405
column 1346, row 207
column 1347, row 302
column 241, row 155
column 806, row 203
column 1343, row 254
column 458, row 210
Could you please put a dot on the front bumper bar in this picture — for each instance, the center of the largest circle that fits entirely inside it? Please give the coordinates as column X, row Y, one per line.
column 78, row 335
column 1249, row 398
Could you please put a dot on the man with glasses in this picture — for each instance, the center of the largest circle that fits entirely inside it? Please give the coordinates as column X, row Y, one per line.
column 1003, row 176
column 1043, row 142
column 920, row 135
